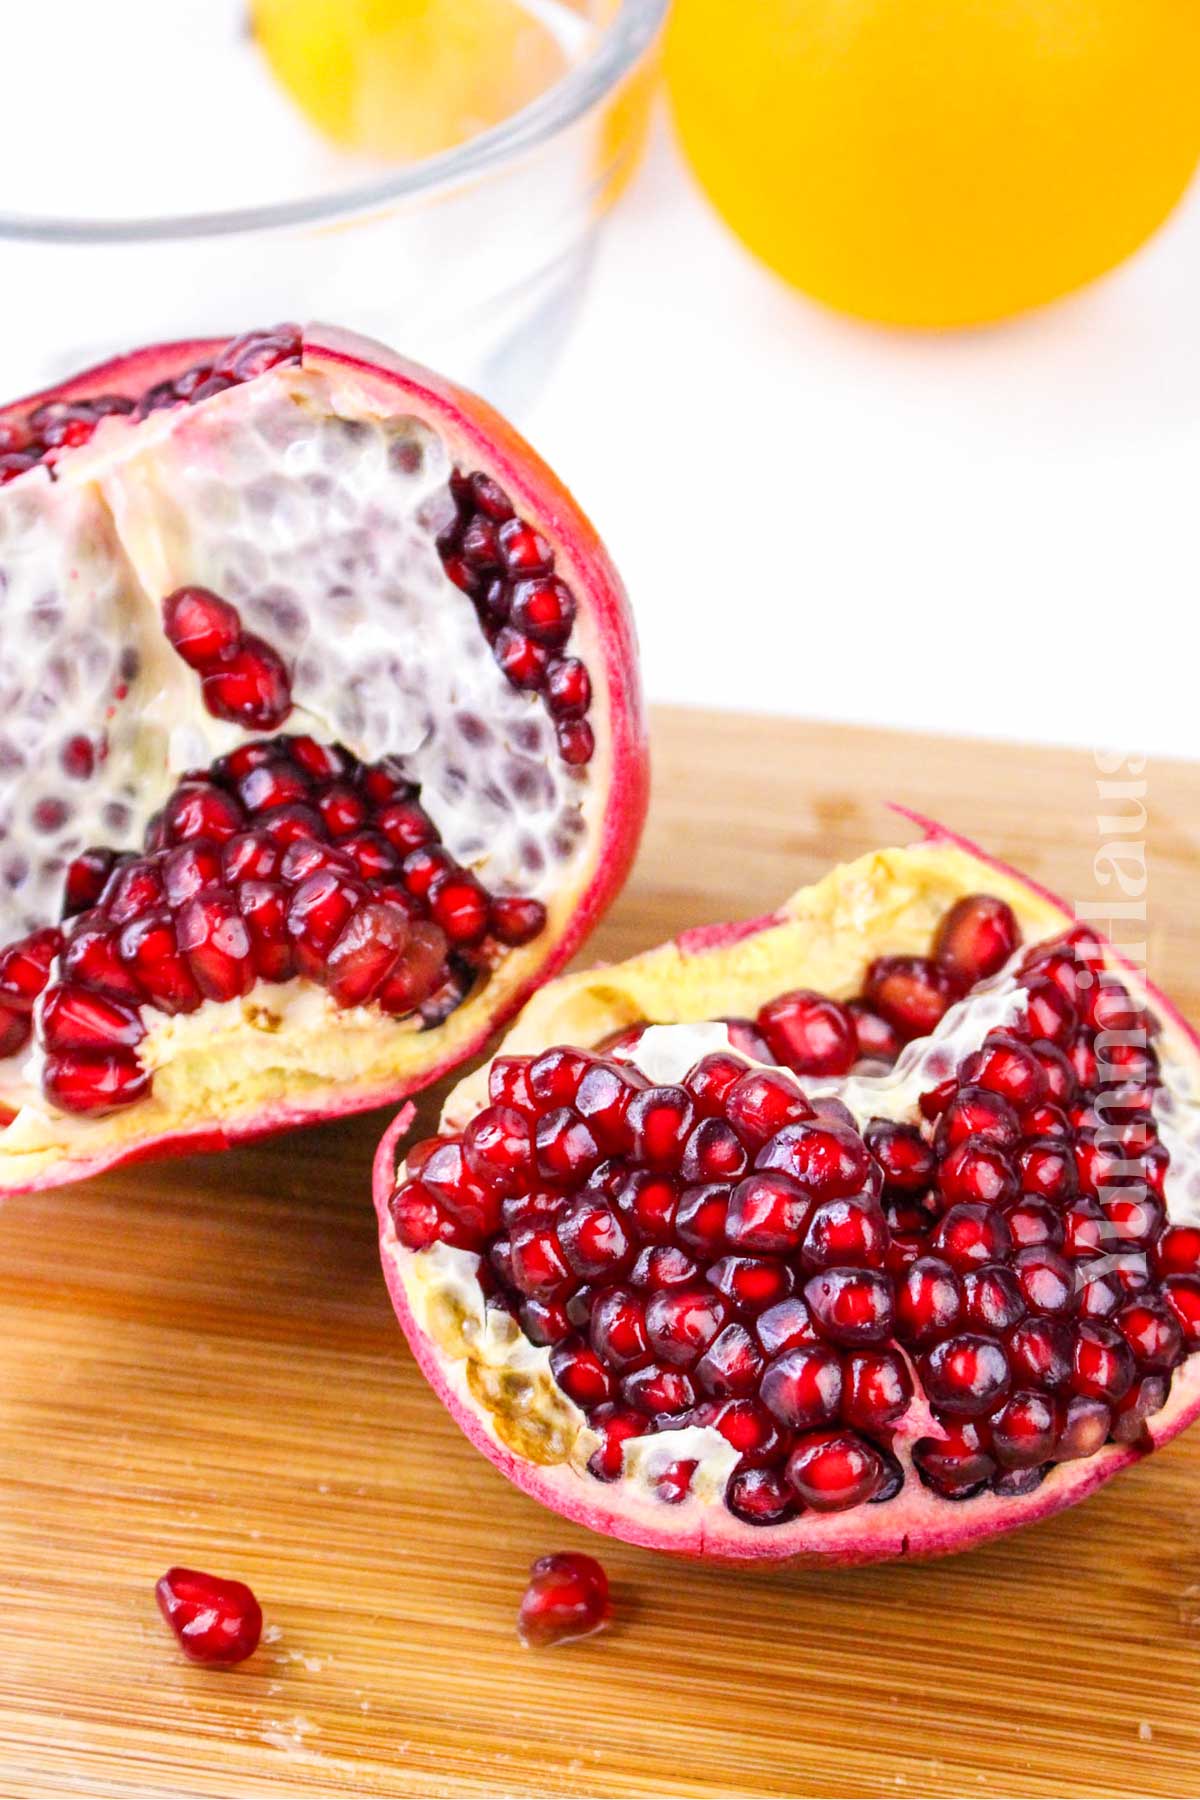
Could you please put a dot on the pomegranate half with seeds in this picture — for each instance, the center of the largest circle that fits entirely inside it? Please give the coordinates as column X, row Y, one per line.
column 321, row 743
column 867, row 1229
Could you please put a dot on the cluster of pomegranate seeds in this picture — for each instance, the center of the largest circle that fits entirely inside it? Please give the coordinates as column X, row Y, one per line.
column 60, row 425
column 507, row 568
column 287, row 858
column 242, row 679
column 216, row 1621
column 731, row 1252
column 567, row 1598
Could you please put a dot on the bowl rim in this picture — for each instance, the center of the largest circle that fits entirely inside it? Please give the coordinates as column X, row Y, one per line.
column 624, row 42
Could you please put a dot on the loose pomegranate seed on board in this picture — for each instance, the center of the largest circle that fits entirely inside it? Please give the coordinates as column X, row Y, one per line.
column 216, row 1621
column 567, row 1598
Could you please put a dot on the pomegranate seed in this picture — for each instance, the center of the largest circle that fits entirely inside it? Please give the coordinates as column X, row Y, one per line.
column 555, row 1075
column 215, row 1620
column 88, row 1083
column 1182, row 1295
column 1040, row 1352
column 1103, row 1366
column 576, row 741
column 830, row 1160
column 523, row 660
column 602, row 1099
column 929, row 1301
column 544, row 610
column 731, row 1365
column 1008, row 1068
column 902, row 1153
column 581, row 1375
column 659, row 1392
column 566, row 1149
column 850, row 1230
column 713, row 1152
column 977, row 1171
column 568, row 688
column 251, row 687
column 760, row 1103
column 460, row 907
column 660, row 1121
column 420, row 1219
column 878, row 1389
column 1088, row 1423
column 751, row 1282
column 593, row 1239
column 201, row 626
column 650, row 1203
column 618, row 1327
column 831, row 1471
column 195, row 810
column 767, row 1211
column 1152, row 1332
column 877, row 1040
column 1046, row 1280
column 959, row 1463
column 523, row 550
column 972, row 1233
column 809, row 1033
column 516, row 921
column 567, row 1598
column 615, row 1427
column 1178, row 1251
column 148, row 948
column 1032, row 1221
column 760, row 1497
column 1046, row 1169
column 213, row 937
column 851, row 1306
column 910, row 992
column 967, row 1375
column 784, row 1326
column 975, row 938
column 1049, row 1014
column 75, row 1018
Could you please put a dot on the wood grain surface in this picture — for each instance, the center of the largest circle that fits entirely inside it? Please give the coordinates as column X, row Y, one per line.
column 198, row 1364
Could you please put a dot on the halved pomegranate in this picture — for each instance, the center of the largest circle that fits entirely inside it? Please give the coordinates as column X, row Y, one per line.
column 933, row 1278
column 321, row 743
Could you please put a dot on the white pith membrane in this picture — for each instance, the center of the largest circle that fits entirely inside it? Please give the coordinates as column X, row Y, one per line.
column 315, row 513
column 499, row 1385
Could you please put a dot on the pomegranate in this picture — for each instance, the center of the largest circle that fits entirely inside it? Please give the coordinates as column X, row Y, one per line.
column 216, row 1620
column 321, row 743
column 836, row 1307
column 567, row 1598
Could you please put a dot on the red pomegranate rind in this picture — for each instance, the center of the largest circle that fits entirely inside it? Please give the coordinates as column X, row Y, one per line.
column 363, row 376
column 889, row 902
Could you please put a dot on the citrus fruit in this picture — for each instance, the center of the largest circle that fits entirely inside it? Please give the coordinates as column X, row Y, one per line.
column 403, row 79
column 939, row 162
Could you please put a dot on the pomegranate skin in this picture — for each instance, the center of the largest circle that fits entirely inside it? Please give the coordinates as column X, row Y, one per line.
column 476, row 437
column 700, row 973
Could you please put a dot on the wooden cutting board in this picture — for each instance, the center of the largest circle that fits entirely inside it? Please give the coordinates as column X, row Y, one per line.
column 198, row 1364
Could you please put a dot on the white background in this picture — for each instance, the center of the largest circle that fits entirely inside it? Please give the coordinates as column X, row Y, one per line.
column 993, row 532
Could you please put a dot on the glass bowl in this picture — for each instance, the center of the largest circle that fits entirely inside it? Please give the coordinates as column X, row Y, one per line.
column 473, row 260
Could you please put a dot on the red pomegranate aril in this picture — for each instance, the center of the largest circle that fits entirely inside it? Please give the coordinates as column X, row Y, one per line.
column 1046, row 1170
column 366, row 952
column 660, row 1120
column 1047, row 1281
column 90, row 957
column 713, row 1152
column 731, row 1365
column 710, row 1082
column 1177, row 1251
column 1045, row 1121
column 657, row 1391
column 515, row 921
column 317, row 914
column 522, row 549
column 911, row 992
column 264, row 906
column 761, row 1497
column 809, row 1033
column 82, row 1082
column 681, row 1322
column 1144, row 1399
column 966, row 1375
column 602, row 1099
column 851, row 1306
column 802, row 1388
column 972, row 1233
column 555, row 1075
column 581, row 1375
column 1134, row 1219
column 523, row 660
column 760, row 1103
column 1086, row 1232
column 878, row 1389
column 1085, row 1430
column 663, row 1266
column 467, row 1199
column 958, row 1463
column 498, row 1150
column 975, row 938
column 86, row 878
column 198, row 810
column 617, row 1328
column 576, row 741
column 212, row 935
column 902, row 1153
column 148, row 948
column 74, row 1018
column 767, row 1211
column 977, row 1172
column 460, row 907
column 992, row 1299
column 421, row 1219
column 975, row 1112
column 215, row 1620
column 544, row 610
column 650, row 1203
column 1026, row 1430
column 546, row 1322
column 829, row 1159
column 1049, row 1014
column 1040, row 1353
column 1152, row 1332
column 1182, row 1295
column 1032, row 1221
column 846, row 1231
column 200, row 625
column 929, row 1301
column 751, row 1282
column 566, row 1149
column 277, row 783
column 615, row 1426
column 567, row 1598
column 539, row 1267
column 1103, row 1366
column 508, row 1085
column 568, row 688
column 1008, row 1068
column 877, row 1040
column 250, row 687
column 832, row 1471
column 785, row 1325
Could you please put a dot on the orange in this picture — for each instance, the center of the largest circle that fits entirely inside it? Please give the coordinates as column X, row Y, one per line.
column 939, row 162
column 402, row 79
